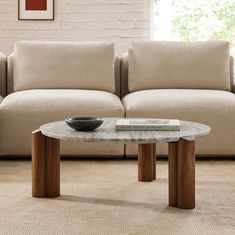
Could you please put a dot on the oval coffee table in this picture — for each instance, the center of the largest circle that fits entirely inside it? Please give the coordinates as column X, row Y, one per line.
column 181, row 159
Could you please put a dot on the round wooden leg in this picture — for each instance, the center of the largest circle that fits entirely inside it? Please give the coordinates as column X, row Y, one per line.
column 154, row 161
column 181, row 162
column 38, row 165
column 172, row 174
column 53, row 167
column 145, row 162
column 45, row 166
column 186, row 174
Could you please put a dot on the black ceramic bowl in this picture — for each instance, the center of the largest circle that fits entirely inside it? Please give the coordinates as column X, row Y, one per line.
column 84, row 123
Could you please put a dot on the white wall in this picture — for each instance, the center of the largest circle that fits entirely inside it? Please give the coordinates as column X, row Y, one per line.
column 121, row 21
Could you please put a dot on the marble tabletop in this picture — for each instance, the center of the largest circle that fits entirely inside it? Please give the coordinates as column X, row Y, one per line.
column 107, row 133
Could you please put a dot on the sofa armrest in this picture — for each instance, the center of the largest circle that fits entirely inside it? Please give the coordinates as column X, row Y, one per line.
column 3, row 74
column 124, row 75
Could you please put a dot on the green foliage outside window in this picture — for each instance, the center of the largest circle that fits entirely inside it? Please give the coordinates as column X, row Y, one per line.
column 195, row 20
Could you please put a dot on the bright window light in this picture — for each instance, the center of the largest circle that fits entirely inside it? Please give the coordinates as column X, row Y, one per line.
column 195, row 20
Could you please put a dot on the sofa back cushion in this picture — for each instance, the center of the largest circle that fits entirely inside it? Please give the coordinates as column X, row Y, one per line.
column 61, row 65
column 187, row 65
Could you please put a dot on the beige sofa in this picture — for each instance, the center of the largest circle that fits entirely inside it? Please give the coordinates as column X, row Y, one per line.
column 190, row 81
column 49, row 81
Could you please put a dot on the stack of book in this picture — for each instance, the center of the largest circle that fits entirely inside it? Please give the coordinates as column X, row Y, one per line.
column 127, row 124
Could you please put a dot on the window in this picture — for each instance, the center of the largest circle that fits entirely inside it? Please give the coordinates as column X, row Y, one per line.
column 195, row 20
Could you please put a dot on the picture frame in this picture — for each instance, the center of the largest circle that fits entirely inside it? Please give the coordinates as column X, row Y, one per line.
column 35, row 9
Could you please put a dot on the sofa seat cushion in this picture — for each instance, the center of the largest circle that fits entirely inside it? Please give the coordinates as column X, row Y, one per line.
column 177, row 100
column 179, row 65
column 24, row 111
column 212, row 107
column 80, row 102
column 1, row 98
column 64, row 65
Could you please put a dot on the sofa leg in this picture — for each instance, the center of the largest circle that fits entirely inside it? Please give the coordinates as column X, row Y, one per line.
column 45, row 166
column 145, row 162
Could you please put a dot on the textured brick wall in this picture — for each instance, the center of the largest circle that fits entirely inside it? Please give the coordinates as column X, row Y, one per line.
column 121, row 21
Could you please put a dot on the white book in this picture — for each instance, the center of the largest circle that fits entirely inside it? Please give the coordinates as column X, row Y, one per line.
column 127, row 124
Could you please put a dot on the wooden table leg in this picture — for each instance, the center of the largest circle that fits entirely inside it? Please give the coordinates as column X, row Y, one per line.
column 154, row 161
column 182, row 174
column 38, row 164
column 53, row 167
column 186, row 174
column 45, row 166
column 145, row 162
column 172, row 174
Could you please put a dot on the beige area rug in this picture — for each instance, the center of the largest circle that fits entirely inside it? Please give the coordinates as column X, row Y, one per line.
column 104, row 197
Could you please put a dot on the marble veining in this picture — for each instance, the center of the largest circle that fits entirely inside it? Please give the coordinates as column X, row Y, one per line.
column 107, row 133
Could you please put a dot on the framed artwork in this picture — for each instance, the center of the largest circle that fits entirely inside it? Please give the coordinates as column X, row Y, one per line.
column 36, row 9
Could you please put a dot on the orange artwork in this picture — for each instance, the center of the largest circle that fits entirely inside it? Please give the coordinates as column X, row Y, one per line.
column 35, row 5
